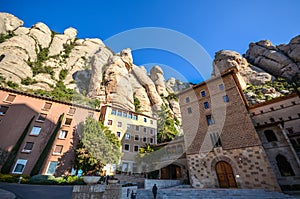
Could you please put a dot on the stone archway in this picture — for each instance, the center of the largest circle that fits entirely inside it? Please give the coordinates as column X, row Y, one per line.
column 225, row 175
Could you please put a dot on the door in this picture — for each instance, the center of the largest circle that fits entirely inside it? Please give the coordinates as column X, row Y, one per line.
column 225, row 175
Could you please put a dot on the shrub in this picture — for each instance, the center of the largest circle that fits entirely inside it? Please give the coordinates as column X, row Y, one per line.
column 14, row 178
column 43, row 179
column 12, row 84
column 63, row 73
column 4, row 37
column 28, row 81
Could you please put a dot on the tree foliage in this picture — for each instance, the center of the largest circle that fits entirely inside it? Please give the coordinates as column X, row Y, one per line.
column 137, row 104
column 98, row 146
column 166, row 125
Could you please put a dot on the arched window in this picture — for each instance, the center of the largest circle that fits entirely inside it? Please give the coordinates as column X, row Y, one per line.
column 284, row 166
column 270, row 135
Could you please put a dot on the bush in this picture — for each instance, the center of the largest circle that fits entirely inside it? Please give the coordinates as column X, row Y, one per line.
column 28, row 81
column 14, row 178
column 51, row 180
column 12, row 84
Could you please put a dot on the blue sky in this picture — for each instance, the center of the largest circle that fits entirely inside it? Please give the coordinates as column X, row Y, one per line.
column 214, row 25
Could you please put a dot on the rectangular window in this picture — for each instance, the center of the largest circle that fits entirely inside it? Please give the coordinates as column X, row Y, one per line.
column 124, row 114
column 137, row 138
column 136, row 148
column 58, row 149
column 144, row 139
column 226, row 98
column 42, row 117
column 151, row 121
column 109, row 122
column 151, row 131
column 35, row 130
column 215, row 139
column 68, row 121
column 3, row 110
column 189, row 109
column 28, row 147
column 72, row 111
column 151, row 140
column 129, row 115
column 63, row 134
column 119, row 113
column 221, row 87
column 126, row 147
column 145, row 119
column 128, row 126
column 135, row 117
column 51, row 168
column 145, row 130
column 19, row 166
column 209, row 120
column 203, row 93
column 10, row 98
column 137, row 128
column 127, row 136
column 206, row 105
column 119, row 124
column 47, row 106
column 187, row 99
column 113, row 111
column 119, row 134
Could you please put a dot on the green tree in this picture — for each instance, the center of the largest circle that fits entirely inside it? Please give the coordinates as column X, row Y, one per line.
column 166, row 125
column 137, row 104
column 98, row 146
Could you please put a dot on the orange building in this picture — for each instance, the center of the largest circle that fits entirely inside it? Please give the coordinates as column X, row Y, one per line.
column 41, row 114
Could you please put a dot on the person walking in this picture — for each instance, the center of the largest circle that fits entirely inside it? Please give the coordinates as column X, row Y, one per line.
column 154, row 191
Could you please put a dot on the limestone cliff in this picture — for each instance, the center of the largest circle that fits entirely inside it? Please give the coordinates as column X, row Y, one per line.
column 262, row 68
column 38, row 58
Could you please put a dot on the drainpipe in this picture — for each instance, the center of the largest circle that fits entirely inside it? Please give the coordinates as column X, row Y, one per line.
column 289, row 143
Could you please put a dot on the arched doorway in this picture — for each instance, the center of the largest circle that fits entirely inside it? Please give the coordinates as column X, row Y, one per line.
column 225, row 175
column 171, row 172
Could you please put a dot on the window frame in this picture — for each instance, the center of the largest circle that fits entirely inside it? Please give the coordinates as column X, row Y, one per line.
column 21, row 162
column 68, row 119
column 60, row 147
column 206, row 105
column 71, row 112
column 24, row 150
column 5, row 109
column 65, row 135
column 127, row 136
column 47, row 106
column 126, row 144
column 8, row 96
column 35, row 127
column 47, row 170
column 209, row 120
column 41, row 116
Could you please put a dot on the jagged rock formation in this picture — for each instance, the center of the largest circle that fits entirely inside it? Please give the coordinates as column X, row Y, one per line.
column 91, row 68
column 266, row 62
column 280, row 61
column 226, row 59
column 175, row 85
column 9, row 23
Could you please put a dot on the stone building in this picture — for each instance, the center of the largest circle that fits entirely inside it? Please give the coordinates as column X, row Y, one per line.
column 19, row 110
column 222, row 146
column 277, row 123
column 134, row 131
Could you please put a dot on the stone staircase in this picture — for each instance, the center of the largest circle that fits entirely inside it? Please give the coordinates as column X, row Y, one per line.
column 212, row 194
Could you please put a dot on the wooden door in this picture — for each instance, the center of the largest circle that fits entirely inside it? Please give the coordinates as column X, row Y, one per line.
column 225, row 175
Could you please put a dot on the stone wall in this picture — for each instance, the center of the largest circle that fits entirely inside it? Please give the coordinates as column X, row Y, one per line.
column 250, row 166
column 161, row 183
